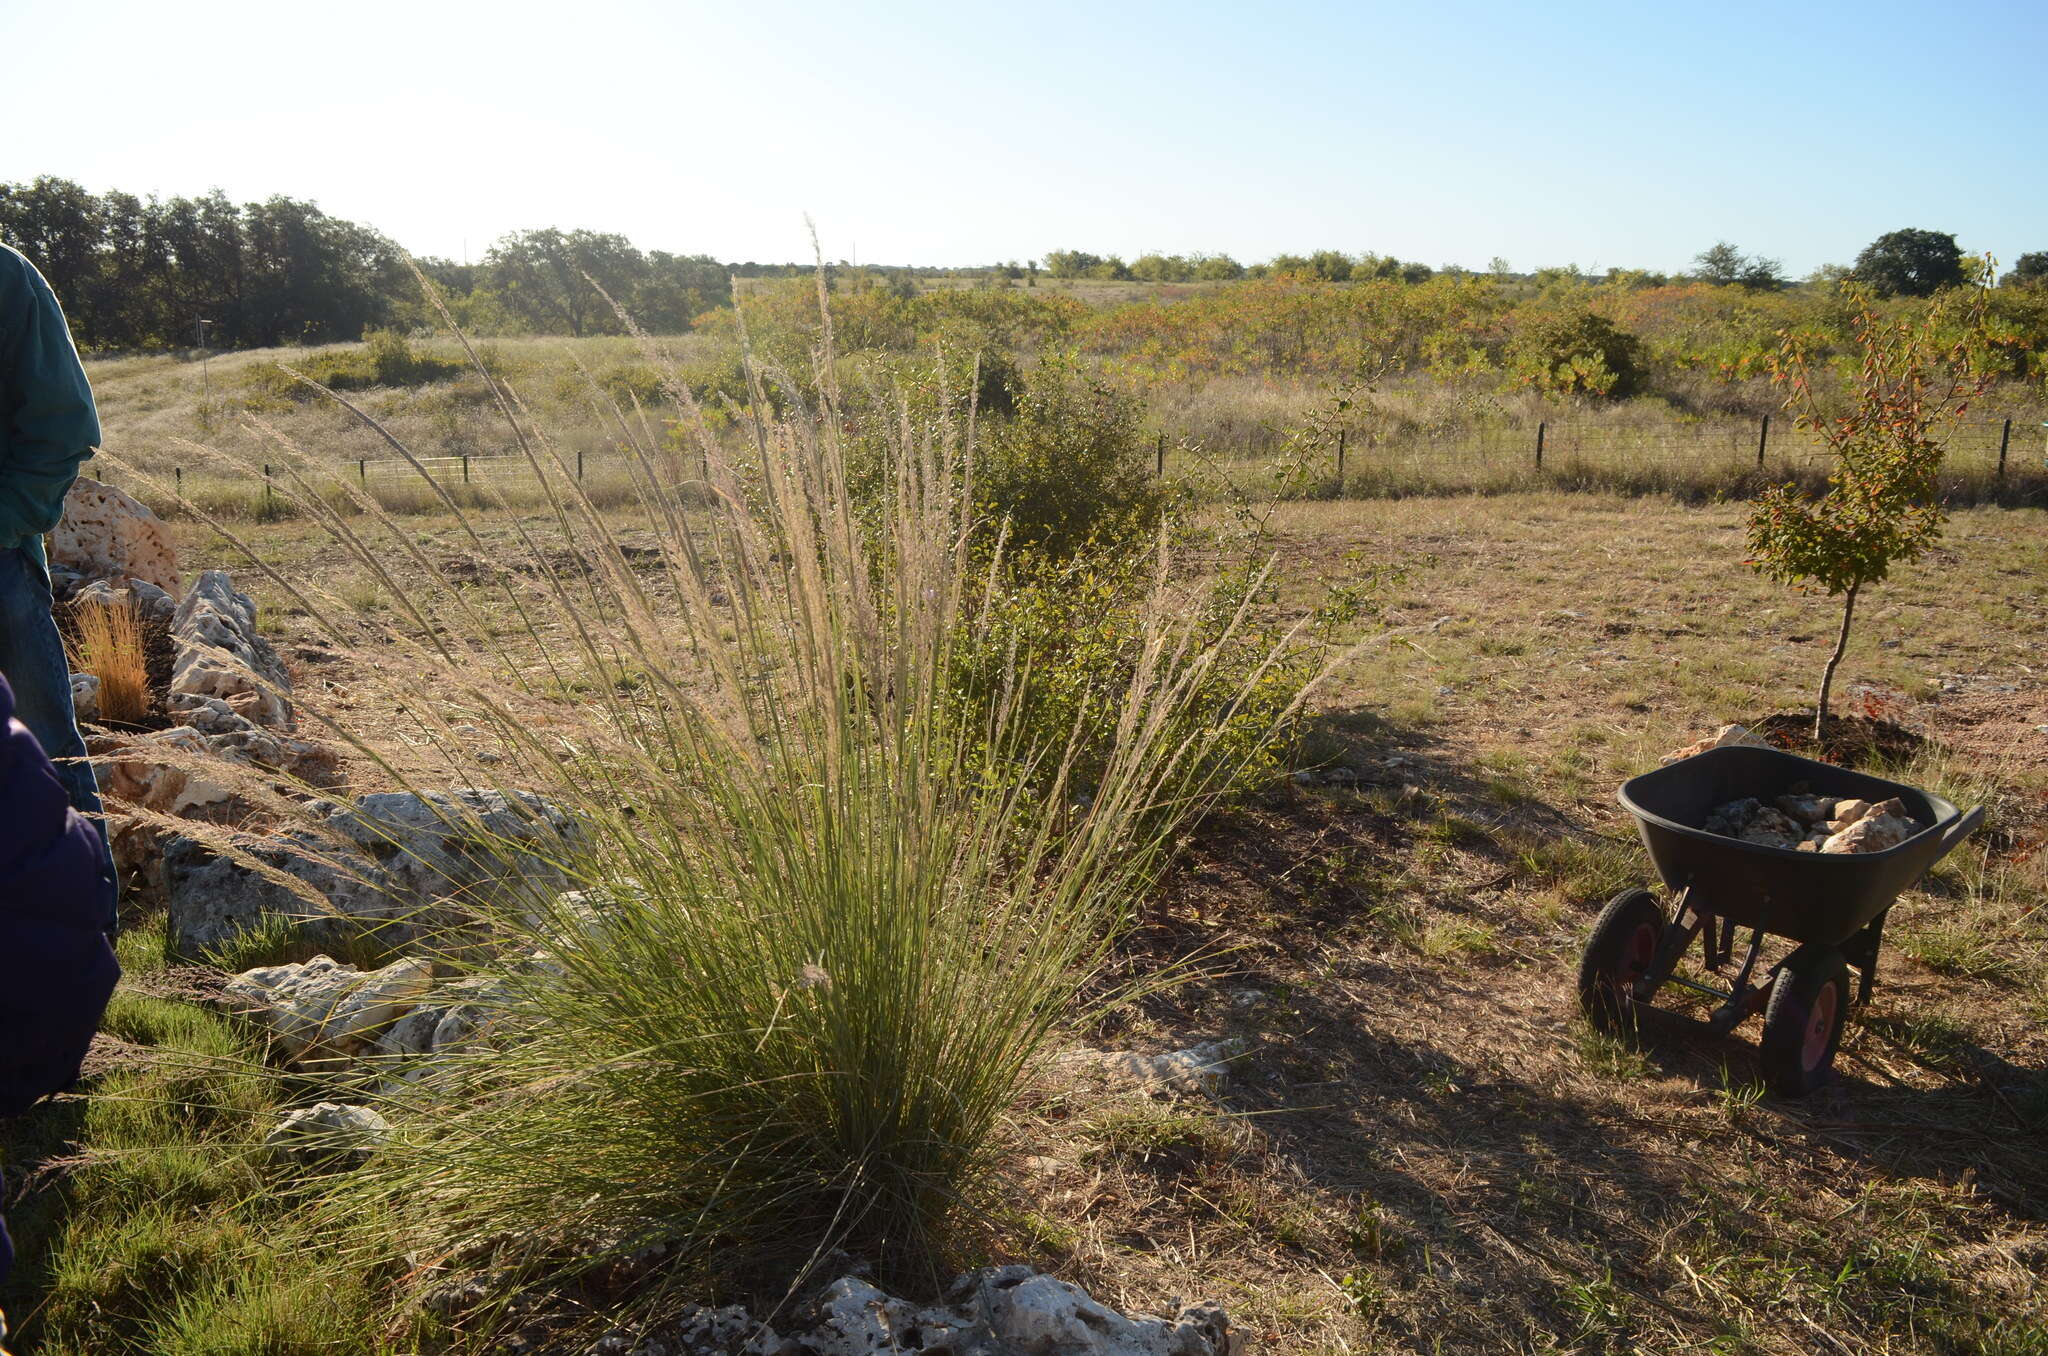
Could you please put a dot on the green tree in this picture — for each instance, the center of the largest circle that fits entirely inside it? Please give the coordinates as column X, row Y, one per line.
column 1331, row 265
column 1161, row 268
column 2029, row 270
column 1217, row 268
column 1071, row 263
column 1576, row 352
column 1726, row 266
column 1881, row 506
column 1911, row 263
column 1720, row 264
column 543, row 278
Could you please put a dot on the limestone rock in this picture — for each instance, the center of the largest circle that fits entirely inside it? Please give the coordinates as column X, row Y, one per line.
column 1026, row 1311
column 1721, row 738
column 221, row 654
column 328, row 1135
column 151, row 603
column 1808, row 810
column 445, row 1021
column 106, row 534
column 168, row 770
column 322, row 1007
column 1001, row 1311
column 143, row 777
column 85, row 697
column 1884, row 826
column 997, row 1311
column 412, row 865
column 1199, row 1068
column 1731, row 819
column 1847, row 812
column 1771, row 828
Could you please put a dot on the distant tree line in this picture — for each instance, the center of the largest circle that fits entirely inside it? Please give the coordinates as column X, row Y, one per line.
column 1324, row 265
column 1903, row 263
column 143, row 274
column 138, row 273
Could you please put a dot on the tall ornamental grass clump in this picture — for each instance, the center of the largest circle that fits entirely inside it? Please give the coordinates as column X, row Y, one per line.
column 835, row 903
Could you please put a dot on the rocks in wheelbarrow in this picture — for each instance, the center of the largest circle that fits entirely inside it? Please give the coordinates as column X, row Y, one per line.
column 1808, row 823
column 1881, row 826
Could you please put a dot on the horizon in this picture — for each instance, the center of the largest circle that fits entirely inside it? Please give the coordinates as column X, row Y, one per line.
column 1604, row 139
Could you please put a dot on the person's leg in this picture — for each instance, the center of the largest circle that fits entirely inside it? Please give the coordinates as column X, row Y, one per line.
column 32, row 657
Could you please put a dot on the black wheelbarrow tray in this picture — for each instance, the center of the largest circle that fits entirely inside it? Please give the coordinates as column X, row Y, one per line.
column 1832, row 904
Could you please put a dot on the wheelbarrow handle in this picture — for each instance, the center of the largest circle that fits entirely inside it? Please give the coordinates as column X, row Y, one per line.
column 1964, row 825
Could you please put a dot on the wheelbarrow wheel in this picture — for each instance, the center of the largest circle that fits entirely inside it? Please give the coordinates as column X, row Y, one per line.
column 1623, row 945
column 1803, row 1024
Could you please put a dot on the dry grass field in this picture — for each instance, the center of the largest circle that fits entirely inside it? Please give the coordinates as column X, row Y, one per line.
column 1424, row 1148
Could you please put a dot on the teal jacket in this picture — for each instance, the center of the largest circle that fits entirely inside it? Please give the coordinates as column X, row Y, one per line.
column 47, row 421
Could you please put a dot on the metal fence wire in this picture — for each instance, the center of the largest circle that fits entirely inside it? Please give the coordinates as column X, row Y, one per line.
column 1984, row 450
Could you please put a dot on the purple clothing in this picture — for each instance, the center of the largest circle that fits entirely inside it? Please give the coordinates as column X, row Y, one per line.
column 57, row 966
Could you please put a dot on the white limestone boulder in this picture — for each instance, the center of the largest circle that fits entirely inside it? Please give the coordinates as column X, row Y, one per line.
column 322, row 1008
column 105, row 534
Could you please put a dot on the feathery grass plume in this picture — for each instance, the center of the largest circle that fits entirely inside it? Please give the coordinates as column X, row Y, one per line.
column 110, row 647
column 833, row 908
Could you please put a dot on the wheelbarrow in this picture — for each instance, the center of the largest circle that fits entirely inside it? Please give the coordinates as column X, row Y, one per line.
column 1832, row 905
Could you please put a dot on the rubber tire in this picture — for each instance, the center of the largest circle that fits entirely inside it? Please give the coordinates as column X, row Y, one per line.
column 1791, row 1066
column 1614, row 956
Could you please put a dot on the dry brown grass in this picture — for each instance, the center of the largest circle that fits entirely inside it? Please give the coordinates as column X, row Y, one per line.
column 111, row 647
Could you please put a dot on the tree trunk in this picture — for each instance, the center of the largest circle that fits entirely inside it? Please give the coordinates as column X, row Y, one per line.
column 1827, row 676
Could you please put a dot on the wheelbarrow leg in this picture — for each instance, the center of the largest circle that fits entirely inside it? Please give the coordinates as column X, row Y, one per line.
column 1742, row 999
column 1721, row 945
column 1686, row 924
column 1861, row 952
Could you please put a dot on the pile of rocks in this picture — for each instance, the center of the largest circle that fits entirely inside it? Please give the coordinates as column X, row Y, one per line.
column 997, row 1311
column 1808, row 823
column 405, row 865
column 222, row 694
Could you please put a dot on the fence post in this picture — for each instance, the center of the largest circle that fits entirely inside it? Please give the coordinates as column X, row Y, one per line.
column 2004, row 441
column 1540, row 425
column 363, row 470
column 1340, row 462
column 266, row 485
column 579, row 463
column 1763, row 435
column 465, row 468
column 1159, row 458
column 178, row 472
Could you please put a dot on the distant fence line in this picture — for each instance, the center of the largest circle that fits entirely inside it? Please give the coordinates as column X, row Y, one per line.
column 1995, row 447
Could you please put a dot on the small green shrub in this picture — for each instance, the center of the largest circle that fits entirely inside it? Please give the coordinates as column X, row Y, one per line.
column 1577, row 353
column 386, row 358
column 1070, row 469
column 1061, row 644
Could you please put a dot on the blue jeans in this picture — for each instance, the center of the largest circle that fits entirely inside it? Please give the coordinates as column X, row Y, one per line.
column 32, row 658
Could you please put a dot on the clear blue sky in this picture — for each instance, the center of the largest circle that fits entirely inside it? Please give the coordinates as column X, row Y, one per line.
column 1598, row 134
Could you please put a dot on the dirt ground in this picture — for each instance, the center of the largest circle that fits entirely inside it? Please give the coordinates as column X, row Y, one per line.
column 1424, row 1148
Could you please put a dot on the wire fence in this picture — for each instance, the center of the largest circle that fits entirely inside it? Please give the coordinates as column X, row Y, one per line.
column 1990, row 457
column 1979, row 453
